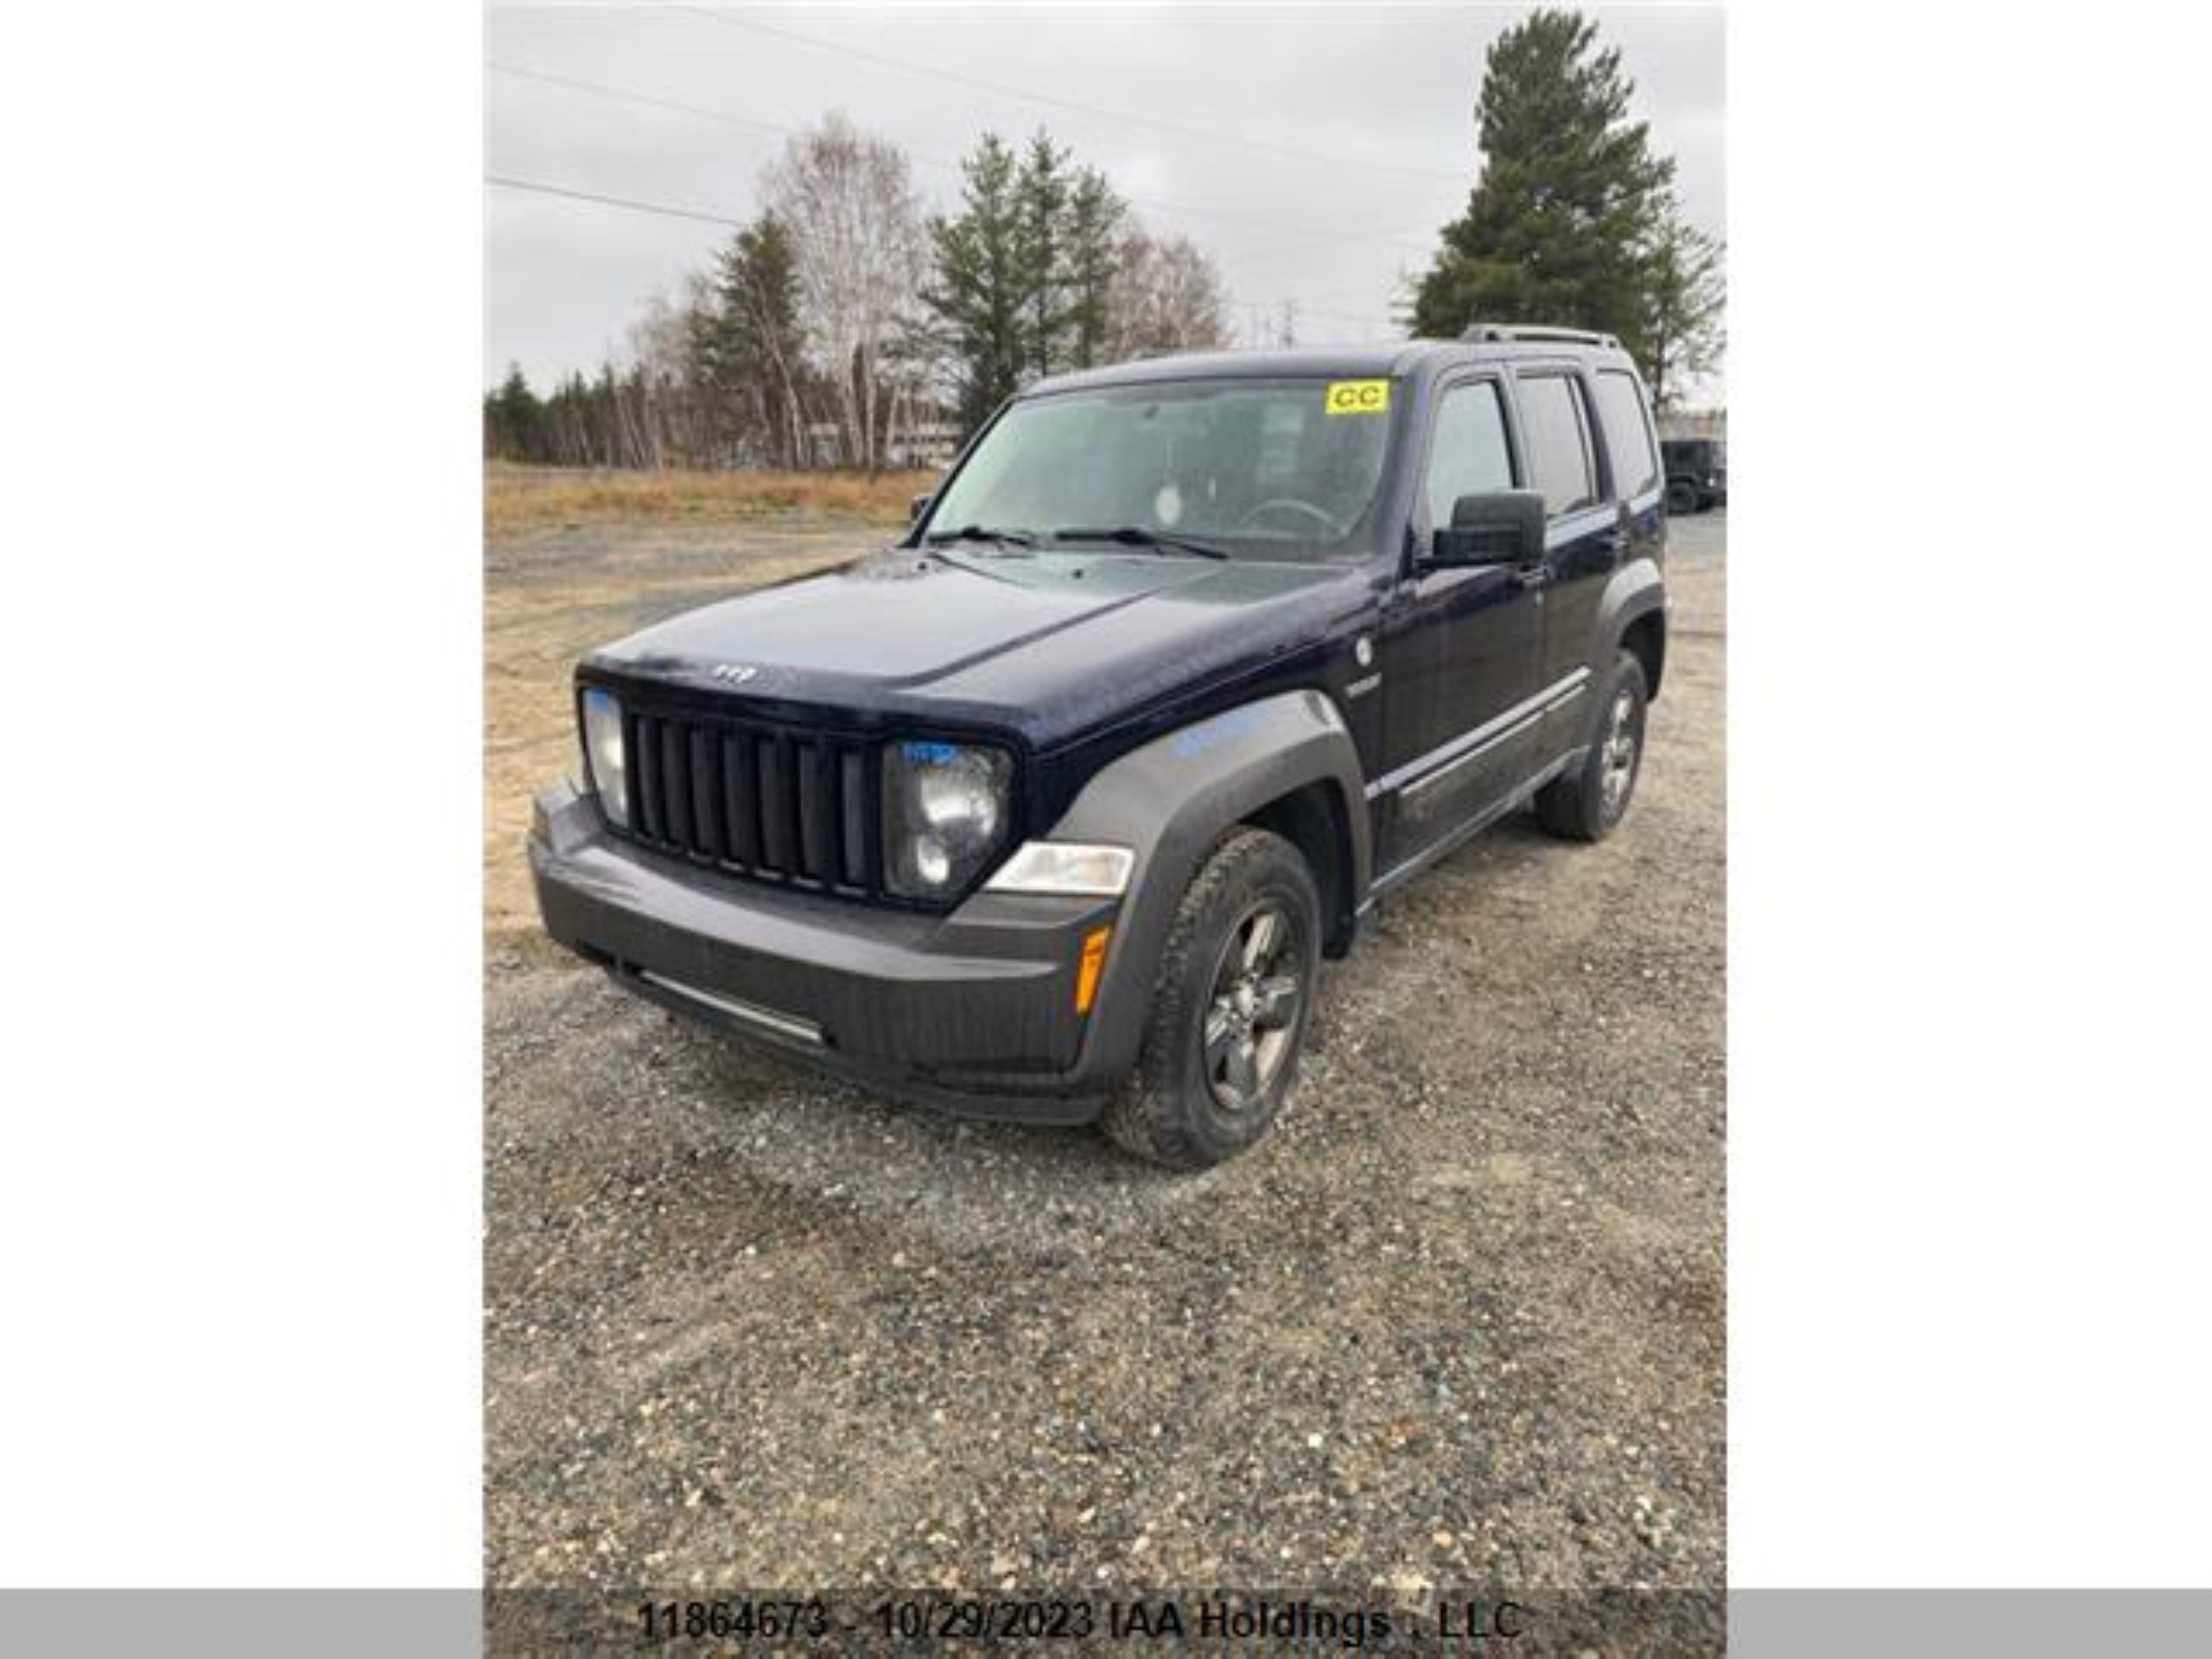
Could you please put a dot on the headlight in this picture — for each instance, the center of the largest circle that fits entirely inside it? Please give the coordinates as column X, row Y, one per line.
column 603, row 754
column 945, row 812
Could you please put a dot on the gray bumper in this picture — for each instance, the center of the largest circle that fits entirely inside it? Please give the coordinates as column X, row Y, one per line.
column 971, row 1012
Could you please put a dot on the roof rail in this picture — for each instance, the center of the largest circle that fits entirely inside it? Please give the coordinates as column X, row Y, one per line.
column 1498, row 331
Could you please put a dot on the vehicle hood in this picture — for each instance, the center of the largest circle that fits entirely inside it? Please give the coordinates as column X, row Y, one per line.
column 1047, row 644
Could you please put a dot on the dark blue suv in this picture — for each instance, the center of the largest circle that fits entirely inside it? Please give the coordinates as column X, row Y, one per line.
column 1052, row 809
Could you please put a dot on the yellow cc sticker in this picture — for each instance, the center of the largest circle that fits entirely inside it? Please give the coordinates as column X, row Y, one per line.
column 1357, row 397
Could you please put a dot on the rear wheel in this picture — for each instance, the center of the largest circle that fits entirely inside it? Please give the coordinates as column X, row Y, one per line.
column 1585, row 804
column 1233, row 996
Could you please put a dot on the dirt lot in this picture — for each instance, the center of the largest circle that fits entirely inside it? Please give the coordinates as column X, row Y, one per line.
column 1458, row 1322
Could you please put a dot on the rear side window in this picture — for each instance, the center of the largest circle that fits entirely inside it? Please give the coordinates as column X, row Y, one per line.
column 1468, row 455
column 1628, row 434
column 1559, row 443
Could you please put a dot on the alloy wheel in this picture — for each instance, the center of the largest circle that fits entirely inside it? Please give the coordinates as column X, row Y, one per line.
column 1252, row 1019
column 1618, row 764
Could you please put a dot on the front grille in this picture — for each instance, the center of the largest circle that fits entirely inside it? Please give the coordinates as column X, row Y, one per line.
column 797, row 807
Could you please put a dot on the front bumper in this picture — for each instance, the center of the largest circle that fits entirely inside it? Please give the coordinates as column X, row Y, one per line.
column 972, row 1012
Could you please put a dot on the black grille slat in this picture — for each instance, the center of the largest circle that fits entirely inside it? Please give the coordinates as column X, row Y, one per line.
column 756, row 798
column 817, row 810
column 741, row 799
column 792, row 757
column 647, row 751
column 806, row 784
column 872, row 821
column 631, row 789
column 676, row 779
column 707, row 792
column 778, row 817
column 852, row 817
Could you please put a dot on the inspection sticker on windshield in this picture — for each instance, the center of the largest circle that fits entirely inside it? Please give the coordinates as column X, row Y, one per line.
column 1357, row 397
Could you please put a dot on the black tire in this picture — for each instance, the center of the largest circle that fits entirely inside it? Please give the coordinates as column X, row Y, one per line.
column 1682, row 498
column 1585, row 804
column 1184, row 1106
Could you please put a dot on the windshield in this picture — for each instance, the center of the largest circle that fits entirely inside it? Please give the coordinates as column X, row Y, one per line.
column 1267, row 469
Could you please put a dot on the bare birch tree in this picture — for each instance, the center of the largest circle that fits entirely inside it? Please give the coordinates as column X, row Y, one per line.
column 1164, row 295
column 848, row 204
column 659, row 349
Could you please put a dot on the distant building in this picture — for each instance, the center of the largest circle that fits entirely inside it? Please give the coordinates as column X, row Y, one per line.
column 1694, row 423
column 933, row 443
column 927, row 443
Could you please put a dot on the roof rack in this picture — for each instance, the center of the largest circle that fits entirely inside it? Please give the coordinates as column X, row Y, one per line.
column 1498, row 331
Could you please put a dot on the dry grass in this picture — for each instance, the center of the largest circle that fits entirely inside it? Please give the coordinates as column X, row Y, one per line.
column 541, row 497
column 534, row 631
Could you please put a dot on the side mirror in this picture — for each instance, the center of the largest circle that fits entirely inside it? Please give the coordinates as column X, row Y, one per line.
column 918, row 506
column 1503, row 527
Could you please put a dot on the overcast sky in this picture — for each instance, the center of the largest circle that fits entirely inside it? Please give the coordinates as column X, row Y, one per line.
column 1314, row 152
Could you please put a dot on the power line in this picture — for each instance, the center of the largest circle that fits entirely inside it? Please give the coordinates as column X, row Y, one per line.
column 1327, row 295
column 599, row 89
column 629, row 202
column 1051, row 101
column 1365, row 318
column 1269, row 310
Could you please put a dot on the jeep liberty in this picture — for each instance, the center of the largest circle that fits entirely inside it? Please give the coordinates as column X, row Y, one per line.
column 1051, row 811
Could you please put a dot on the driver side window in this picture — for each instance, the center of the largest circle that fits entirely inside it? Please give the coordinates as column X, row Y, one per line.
column 1467, row 454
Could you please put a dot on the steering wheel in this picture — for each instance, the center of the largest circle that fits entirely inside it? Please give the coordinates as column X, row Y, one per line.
column 1291, row 503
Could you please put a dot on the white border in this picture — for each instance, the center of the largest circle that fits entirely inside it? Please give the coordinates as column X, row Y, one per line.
column 239, row 1230
column 1968, row 1140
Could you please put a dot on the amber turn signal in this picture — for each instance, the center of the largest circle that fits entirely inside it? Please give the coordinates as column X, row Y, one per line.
column 1086, row 972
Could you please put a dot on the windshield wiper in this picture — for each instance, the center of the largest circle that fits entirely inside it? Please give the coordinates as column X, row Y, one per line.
column 1138, row 536
column 980, row 533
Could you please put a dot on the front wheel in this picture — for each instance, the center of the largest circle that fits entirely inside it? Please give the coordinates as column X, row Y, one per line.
column 1234, row 993
column 1585, row 804
column 1682, row 498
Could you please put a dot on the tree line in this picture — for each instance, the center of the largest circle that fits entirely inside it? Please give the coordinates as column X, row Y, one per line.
column 845, row 327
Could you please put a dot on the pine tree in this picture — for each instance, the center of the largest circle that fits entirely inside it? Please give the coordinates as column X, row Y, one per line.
column 514, row 421
column 1041, row 194
column 1044, row 269
column 1683, row 333
column 1024, row 277
column 1095, row 220
column 979, row 292
column 748, row 345
column 1566, row 223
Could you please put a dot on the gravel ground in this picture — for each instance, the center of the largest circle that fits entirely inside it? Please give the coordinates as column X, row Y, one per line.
column 1458, row 1322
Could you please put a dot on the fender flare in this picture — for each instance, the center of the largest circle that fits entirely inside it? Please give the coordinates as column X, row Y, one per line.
column 1633, row 592
column 1169, row 801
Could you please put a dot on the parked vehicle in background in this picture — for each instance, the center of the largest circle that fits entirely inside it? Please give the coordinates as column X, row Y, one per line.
column 1697, row 474
column 1052, row 810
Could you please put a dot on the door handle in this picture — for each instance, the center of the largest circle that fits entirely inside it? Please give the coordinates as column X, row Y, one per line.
column 1533, row 576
